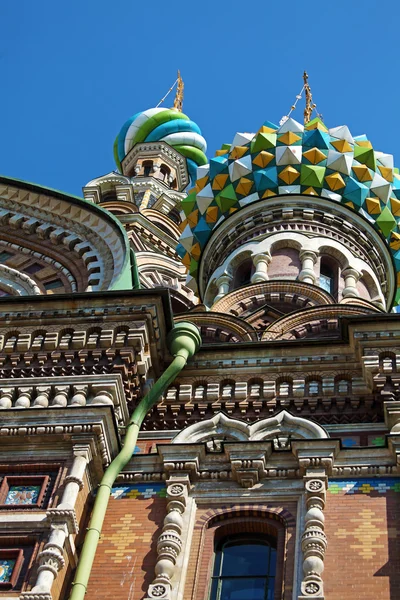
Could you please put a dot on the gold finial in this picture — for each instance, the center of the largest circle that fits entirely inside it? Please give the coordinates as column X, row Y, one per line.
column 309, row 107
column 178, row 102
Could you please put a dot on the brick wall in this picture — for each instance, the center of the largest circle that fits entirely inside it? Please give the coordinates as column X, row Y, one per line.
column 363, row 528
column 126, row 555
column 285, row 263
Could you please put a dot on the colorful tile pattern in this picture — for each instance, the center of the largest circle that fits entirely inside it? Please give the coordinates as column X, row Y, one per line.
column 364, row 486
column 350, row 441
column 23, row 494
column 292, row 159
column 6, row 569
column 165, row 125
column 139, row 491
column 376, row 440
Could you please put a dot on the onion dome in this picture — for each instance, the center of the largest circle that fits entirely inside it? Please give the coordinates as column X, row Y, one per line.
column 310, row 160
column 166, row 125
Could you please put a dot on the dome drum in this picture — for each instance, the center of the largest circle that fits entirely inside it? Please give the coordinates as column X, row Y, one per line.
column 271, row 240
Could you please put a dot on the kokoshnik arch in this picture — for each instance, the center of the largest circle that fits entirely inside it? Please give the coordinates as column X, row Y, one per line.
column 200, row 370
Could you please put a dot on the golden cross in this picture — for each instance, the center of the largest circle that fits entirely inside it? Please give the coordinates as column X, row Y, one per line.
column 178, row 102
column 310, row 105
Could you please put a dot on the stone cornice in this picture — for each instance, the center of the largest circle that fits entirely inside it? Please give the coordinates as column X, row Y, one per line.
column 251, row 463
column 43, row 430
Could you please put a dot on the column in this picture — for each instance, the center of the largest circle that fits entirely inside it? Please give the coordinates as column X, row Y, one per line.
column 351, row 276
column 62, row 523
column 223, row 282
column 308, row 259
column 313, row 541
column 261, row 262
column 169, row 544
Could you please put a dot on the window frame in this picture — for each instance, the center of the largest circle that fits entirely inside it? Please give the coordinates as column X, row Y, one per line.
column 11, row 480
column 16, row 554
column 241, row 538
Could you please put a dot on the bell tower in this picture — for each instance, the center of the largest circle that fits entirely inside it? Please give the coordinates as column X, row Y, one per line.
column 157, row 153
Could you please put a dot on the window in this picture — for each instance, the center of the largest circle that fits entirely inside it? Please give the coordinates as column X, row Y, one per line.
column 164, row 173
column 53, row 284
column 329, row 275
column 243, row 273
column 244, row 568
column 343, row 386
column 10, row 566
column 23, row 491
column 314, row 387
column 284, row 388
column 326, row 279
column 147, row 168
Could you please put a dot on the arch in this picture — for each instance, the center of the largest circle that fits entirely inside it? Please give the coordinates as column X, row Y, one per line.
column 147, row 168
column 227, row 390
column 255, row 388
column 200, row 391
column 313, row 386
column 282, row 424
column 163, row 173
column 242, row 274
column 220, row 521
column 285, row 424
column 387, row 362
column 65, row 337
column 37, row 339
column 284, row 386
column 342, row 384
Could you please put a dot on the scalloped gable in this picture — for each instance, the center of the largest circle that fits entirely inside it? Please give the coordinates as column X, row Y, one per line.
column 282, row 424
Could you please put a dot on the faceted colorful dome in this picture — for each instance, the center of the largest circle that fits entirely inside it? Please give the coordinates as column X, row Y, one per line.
column 292, row 159
column 166, row 125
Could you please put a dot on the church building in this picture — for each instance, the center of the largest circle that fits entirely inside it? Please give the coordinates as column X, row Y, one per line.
column 200, row 369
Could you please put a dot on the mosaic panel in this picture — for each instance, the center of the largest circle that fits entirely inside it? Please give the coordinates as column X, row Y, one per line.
column 376, row 440
column 364, row 486
column 23, row 494
column 349, row 441
column 141, row 491
column 6, row 569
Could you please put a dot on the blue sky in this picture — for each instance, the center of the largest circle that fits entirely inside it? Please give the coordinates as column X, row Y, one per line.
column 74, row 71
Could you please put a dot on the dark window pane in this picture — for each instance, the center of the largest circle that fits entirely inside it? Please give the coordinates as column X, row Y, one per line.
column 272, row 562
column 53, row 285
column 326, row 283
column 245, row 559
column 271, row 588
column 34, row 268
column 242, row 589
column 5, row 256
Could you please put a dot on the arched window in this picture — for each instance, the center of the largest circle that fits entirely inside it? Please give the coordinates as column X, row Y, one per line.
column 243, row 273
column 147, row 168
column 199, row 392
column 387, row 362
column 244, row 568
column 343, row 386
column 329, row 275
column 314, row 387
column 284, row 388
column 164, row 173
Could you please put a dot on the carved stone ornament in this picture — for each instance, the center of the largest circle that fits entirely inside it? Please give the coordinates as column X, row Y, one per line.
column 314, row 485
column 176, row 490
column 158, row 591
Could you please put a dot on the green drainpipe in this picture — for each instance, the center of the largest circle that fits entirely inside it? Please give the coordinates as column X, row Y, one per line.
column 135, row 272
column 183, row 341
